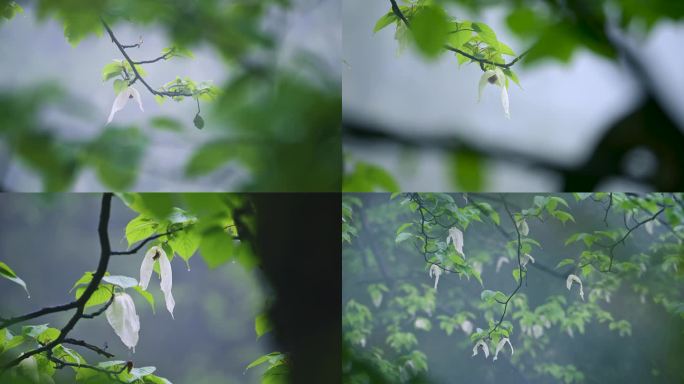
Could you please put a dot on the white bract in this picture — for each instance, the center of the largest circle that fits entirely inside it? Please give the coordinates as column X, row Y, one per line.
column 153, row 254
column 526, row 258
column 496, row 77
column 122, row 317
column 121, row 100
column 500, row 346
column 422, row 323
column 467, row 327
column 573, row 278
column 502, row 260
column 456, row 238
column 435, row 271
column 484, row 346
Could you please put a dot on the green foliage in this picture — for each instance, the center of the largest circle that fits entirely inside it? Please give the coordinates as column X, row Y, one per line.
column 277, row 370
column 365, row 177
column 8, row 273
column 393, row 308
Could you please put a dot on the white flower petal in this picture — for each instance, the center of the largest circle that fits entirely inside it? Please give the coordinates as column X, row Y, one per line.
column 435, row 271
column 124, row 320
column 484, row 346
column 456, row 238
column 523, row 227
column 574, row 278
column 147, row 266
column 119, row 103
column 504, row 102
column 467, row 327
column 502, row 260
column 483, row 83
column 166, row 281
column 501, row 345
column 136, row 96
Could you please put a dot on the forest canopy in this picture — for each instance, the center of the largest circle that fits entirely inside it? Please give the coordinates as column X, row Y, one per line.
column 516, row 288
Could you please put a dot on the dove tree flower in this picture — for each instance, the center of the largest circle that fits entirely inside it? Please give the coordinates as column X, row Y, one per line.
column 122, row 317
column 456, row 237
column 498, row 78
column 484, row 346
column 501, row 345
column 122, row 99
column 574, row 278
column 502, row 260
column 157, row 254
column 525, row 259
column 435, row 271
column 467, row 327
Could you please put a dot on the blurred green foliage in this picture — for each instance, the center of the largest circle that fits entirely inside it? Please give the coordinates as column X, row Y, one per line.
column 280, row 125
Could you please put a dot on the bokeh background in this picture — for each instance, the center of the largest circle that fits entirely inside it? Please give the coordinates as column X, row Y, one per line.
column 35, row 52
column 557, row 116
column 51, row 240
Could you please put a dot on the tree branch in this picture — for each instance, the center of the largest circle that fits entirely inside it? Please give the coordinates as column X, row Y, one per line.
column 105, row 253
column 136, row 74
column 93, row 348
column 397, row 11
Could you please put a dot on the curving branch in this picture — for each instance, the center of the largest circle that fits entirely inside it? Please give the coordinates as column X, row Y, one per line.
column 86, row 345
column 520, row 271
column 397, row 11
column 136, row 74
column 105, row 253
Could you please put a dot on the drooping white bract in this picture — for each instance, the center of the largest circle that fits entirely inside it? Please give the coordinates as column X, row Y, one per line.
column 422, row 323
column 121, row 100
column 498, row 78
column 435, row 271
column 500, row 346
column 153, row 254
column 485, row 348
column 122, row 317
column 573, row 278
column 526, row 258
column 456, row 238
column 523, row 228
column 650, row 225
column 537, row 331
column 502, row 260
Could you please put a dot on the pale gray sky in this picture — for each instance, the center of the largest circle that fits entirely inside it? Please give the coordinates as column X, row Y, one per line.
column 559, row 113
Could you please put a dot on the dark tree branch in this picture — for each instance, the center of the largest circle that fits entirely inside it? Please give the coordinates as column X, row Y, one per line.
column 520, row 270
column 135, row 249
column 136, row 74
column 397, row 11
column 83, row 344
column 105, row 253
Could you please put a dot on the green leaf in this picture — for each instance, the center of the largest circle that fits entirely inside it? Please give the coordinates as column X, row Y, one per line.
column 468, row 170
column 459, row 38
column 217, row 247
column 139, row 229
column 8, row 273
column 403, row 236
column 271, row 358
column 166, row 124
column 210, row 157
column 101, row 295
column 262, row 324
column 146, row 295
column 430, row 28
column 185, row 243
column 112, row 70
column 119, row 85
column 116, row 155
column 369, row 178
column 198, row 121
column 487, row 35
column 384, row 21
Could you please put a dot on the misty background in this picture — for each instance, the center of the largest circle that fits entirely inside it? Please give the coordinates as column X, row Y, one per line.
column 51, row 240
column 34, row 52
column 560, row 112
column 652, row 354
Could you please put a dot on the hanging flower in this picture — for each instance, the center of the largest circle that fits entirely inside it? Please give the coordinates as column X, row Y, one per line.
column 573, row 278
column 498, row 78
column 484, row 346
column 153, row 254
column 456, row 238
column 121, row 100
column 650, row 225
column 467, row 327
column 435, row 271
column 122, row 317
column 500, row 346
column 502, row 260
column 422, row 323
column 526, row 258
column 523, row 228
column 537, row 331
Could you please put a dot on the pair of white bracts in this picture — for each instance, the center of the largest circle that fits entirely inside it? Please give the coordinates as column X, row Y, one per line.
column 121, row 314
